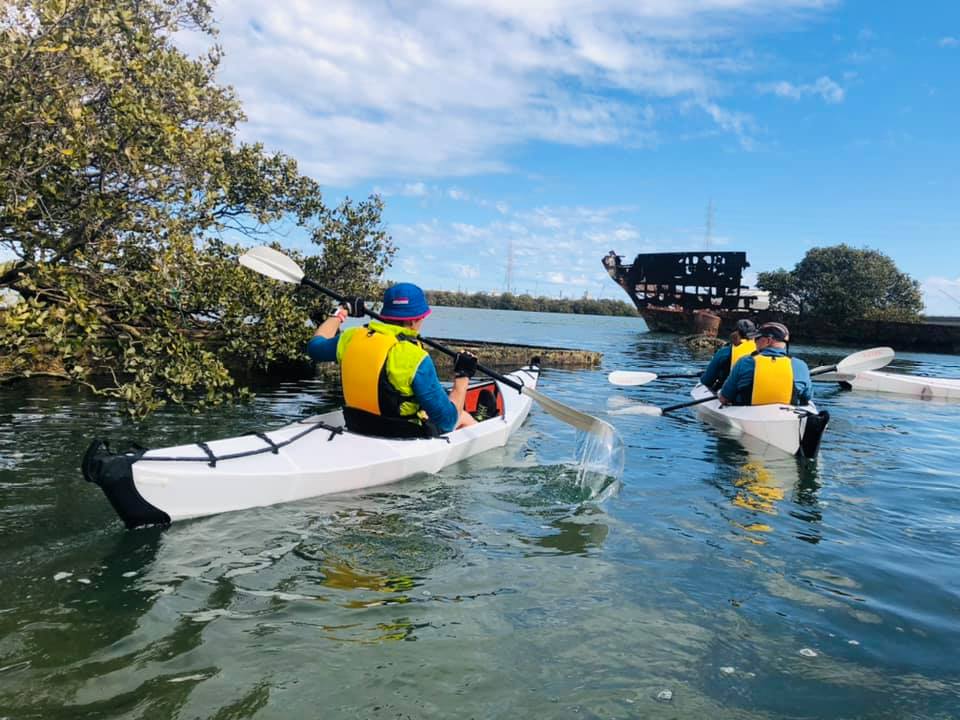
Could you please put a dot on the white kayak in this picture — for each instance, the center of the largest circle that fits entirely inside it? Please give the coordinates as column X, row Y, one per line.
column 796, row 430
column 925, row 388
column 315, row 456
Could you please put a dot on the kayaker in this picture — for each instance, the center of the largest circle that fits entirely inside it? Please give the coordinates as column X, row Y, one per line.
column 741, row 345
column 770, row 375
column 390, row 384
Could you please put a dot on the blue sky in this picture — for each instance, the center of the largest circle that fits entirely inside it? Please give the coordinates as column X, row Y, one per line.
column 566, row 129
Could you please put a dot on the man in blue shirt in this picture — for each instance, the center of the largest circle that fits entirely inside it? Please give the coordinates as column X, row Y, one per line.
column 770, row 375
column 390, row 384
column 725, row 358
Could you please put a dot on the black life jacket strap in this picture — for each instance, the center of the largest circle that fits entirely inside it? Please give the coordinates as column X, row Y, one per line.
column 362, row 422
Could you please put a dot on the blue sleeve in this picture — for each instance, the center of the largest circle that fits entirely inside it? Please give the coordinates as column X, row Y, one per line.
column 323, row 349
column 801, row 381
column 739, row 380
column 433, row 398
column 717, row 367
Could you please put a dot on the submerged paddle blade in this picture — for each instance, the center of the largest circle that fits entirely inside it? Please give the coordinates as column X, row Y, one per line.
column 638, row 409
column 627, row 377
column 872, row 359
column 272, row 263
column 569, row 415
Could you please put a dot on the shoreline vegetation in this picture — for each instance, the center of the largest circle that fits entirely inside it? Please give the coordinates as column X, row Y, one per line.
column 529, row 303
column 125, row 191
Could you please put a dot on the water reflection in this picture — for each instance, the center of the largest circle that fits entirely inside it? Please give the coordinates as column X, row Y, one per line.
column 763, row 486
column 496, row 564
column 577, row 534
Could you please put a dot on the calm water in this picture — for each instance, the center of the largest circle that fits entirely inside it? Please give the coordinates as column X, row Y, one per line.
column 737, row 586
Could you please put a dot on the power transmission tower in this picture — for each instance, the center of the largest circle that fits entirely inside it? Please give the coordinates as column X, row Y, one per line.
column 509, row 279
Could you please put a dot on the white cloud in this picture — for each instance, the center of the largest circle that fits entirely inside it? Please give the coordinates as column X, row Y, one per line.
column 949, row 41
column 470, row 231
column 825, row 87
column 555, row 249
column 372, row 90
column 467, row 271
column 416, row 189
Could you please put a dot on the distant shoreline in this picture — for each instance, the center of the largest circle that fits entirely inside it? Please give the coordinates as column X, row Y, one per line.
column 529, row 303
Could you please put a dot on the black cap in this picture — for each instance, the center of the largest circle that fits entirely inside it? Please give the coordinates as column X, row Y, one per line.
column 746, row 329
column 775, row 330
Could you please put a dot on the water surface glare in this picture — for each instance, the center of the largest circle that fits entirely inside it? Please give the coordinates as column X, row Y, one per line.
column 717, row 582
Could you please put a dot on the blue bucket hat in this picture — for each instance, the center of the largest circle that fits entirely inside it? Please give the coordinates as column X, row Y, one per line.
column 404, row 301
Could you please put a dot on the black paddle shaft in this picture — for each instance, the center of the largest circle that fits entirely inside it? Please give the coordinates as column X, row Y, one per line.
column 678, row 406
column 426, row 341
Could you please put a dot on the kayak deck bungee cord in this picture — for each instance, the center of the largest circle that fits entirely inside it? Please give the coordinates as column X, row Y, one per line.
column 311, row 457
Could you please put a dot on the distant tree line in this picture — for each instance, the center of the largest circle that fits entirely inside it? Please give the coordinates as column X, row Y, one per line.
column 509, row 301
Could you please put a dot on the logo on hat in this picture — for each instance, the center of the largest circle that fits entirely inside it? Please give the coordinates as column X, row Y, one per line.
column 404, row 301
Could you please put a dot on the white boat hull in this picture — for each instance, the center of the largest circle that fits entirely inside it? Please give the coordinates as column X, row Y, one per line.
column 326, row 459
column 779, row 426
column 925, row 388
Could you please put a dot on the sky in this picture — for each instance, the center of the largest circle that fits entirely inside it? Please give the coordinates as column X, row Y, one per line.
column 517, row 142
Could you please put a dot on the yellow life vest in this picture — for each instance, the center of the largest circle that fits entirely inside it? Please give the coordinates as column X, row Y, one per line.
column 738, row 352
column 377, row 365
column 772, row 380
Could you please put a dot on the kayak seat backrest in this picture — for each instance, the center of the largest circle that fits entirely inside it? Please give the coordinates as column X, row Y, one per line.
column 361, row 422
column 484, row 401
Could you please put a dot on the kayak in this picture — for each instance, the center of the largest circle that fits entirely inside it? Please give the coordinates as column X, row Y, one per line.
column 796, row 430
column 925, row 388
column 311, row 457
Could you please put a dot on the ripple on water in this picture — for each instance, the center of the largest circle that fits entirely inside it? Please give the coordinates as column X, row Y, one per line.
column 498, row 587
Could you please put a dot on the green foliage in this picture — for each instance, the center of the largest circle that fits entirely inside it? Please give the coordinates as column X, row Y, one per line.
column 841, row 284
column 123, row 195
column 509, row 301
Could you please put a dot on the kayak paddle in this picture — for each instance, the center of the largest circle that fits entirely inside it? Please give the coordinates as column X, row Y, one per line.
column 630, row 377
column 858, row 362
column 276, row 265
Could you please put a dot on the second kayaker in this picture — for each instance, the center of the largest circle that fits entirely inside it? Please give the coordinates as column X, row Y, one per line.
column 390, row 384
column 741, row 345
column 770, row 375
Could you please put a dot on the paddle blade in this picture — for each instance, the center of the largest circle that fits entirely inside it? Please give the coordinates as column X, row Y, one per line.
column 627, row 377
column 638, row 409
column 872, row 359
column 272, row 263
column 569, row 415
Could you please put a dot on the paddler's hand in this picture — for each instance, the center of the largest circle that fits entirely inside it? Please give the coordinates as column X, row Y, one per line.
column 331, row 326
column 355, row 307
column 464, row 365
